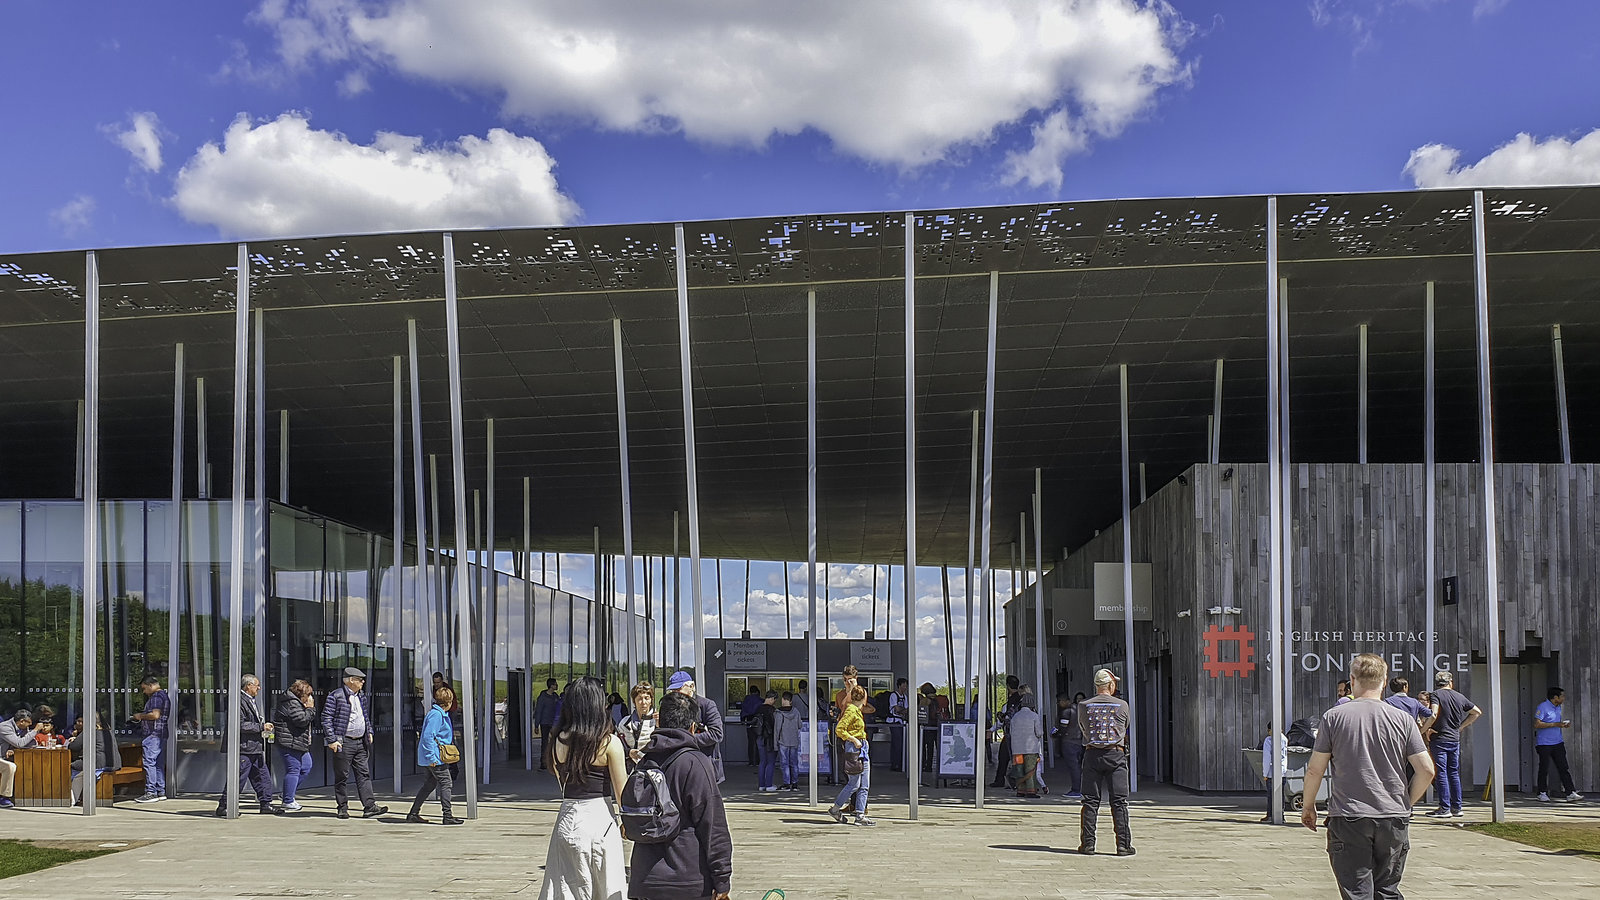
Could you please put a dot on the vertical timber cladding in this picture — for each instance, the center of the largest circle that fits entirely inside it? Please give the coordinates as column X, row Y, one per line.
column 1358, row 582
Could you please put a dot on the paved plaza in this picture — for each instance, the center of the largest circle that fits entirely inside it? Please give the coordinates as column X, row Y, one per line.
column 1188, row 846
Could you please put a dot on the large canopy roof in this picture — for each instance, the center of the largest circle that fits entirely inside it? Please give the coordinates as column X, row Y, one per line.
column 1167, row 286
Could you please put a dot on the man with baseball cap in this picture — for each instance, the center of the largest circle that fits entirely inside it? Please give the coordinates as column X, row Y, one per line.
column 1103, row 719
column 347, row 727
column 709, row 738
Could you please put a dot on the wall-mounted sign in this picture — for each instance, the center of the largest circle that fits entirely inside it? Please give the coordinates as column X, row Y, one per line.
column 1108, row 592
column 870, row 656
column 1072, row 612
column 746, row 656
column 1451, row 593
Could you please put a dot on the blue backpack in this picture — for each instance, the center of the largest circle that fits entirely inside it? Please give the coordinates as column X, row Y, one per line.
column 649, row 813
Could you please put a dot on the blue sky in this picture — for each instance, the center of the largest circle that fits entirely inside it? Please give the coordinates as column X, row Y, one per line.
column 161, row 122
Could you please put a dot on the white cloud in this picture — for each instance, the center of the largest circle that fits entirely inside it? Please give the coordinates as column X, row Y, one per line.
column 142, row 139
column 1525, row 160
column 904, row 83
column 284, row 177
column 72, row 217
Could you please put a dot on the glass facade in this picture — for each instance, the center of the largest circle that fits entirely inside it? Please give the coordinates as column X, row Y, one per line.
column 330, row 603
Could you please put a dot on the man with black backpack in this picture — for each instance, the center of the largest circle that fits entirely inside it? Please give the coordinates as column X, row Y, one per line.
column 673, row 813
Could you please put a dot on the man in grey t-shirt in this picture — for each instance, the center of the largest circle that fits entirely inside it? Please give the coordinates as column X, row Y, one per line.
column 1369, row 806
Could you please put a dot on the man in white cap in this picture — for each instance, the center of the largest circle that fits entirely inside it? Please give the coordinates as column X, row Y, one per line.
column 1104, row 721
column 347, row 727
column 709, row 738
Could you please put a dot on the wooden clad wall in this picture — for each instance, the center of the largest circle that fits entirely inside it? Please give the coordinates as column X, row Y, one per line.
column 1358, row 580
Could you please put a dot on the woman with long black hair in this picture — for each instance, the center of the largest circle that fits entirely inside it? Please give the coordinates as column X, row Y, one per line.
column 585, row 858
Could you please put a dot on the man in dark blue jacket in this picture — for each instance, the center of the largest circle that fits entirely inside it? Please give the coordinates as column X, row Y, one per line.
column 698, row 861
column 253, row 767
column 347, row 728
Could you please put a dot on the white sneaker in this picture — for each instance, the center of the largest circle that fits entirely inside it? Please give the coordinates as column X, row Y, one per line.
column 1543, row 797
column 1574, row 796
column 292, row 806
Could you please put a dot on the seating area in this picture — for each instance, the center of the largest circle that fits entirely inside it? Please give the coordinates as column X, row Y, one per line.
column 130, row 772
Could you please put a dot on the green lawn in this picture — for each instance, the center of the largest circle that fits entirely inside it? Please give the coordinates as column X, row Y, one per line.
column 1569, row 838
column 22, row 857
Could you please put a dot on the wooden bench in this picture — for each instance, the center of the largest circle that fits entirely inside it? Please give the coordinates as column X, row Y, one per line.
column 130, row 772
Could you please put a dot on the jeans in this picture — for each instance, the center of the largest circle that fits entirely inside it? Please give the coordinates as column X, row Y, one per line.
column 789, row 764
column 352, row 757
column 1554, row 754
column 1105, row 773
column 1368, row 856
column 769, row 762
column 154, row 747
column 253, row 770
column 1074, row 760
column 438, row 777
column 296, row 768
column 1447, row 759
column 856, row 787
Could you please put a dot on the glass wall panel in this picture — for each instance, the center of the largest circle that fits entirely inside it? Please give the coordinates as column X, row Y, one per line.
column 52, row 542
column 543, row 600
column 563, row 649
column 13, row 620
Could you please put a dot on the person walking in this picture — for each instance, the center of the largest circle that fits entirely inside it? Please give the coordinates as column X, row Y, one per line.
column 638, row 726
column 698, row 861
column 347, row 729
column 1103, row 720
column 767, row 742
column 436, row 742
column 1452, row 714
column 545, row 710
column 1027, row 746
column 1369, row 743
column 1071, row 742
column 585, row 856
column 254, row 732
column 292, row 719
column 856, row 760
column 709, row 737
column 788, row 723
column 1551, row 744
column 752, row 727
column 154, row 720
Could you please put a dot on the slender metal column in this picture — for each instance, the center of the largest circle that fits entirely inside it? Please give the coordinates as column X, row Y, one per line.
column 1491, row 541
column 77, row 475
column 677, row 597
column 202, row 442
column 491, row 616
column 686, row 365
column 458, row 465
column 1216, row 418
column 811, row 745
column 1144, row 492
column 1275, row 507
column 241, row 388
column 283, row 456
column 1361, row 392
column 426, row 598
column 259, row 473
column 441, row 596
column 1430, row 479
column 1127, row 590
column 175, row 564
column 397, row 581
column 914, row 745
column 90, row 461
column 972, row 549
column 527, row 623
column 1561, row 394
column 1043, row 688
column 627, row 499
column 986, row 575
column 1286, row 533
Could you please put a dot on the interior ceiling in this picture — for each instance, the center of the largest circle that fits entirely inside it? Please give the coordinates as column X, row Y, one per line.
column 1164, row 286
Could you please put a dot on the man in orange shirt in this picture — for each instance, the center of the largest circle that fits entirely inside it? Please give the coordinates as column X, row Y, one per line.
column 842, row 696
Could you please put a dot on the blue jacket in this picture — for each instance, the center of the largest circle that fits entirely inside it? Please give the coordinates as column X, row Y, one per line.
column 336, row 715
column 436, row 730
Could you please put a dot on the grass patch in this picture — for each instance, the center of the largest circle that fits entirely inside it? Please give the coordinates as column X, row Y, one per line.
column 22, row 857
column 1568, row 838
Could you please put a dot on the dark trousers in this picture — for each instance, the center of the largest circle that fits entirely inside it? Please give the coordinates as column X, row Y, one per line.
column 1368, row 856
column 930, row 747
column 544, row 742
column 438, row 778
column 1105, row 774
column 1074, row 759
column 254, row 771
column 1004, row 763
column 1556, row 754
column 352, row 757
column 752, row 735
column 897, row 748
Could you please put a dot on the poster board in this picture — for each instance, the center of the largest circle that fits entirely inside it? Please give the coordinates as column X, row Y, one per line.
column 816, row 749
column 957, row 756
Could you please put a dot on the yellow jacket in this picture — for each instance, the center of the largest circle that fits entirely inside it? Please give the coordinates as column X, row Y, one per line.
column 851, row 724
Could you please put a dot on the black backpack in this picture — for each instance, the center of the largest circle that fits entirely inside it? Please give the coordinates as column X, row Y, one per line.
column 649, row 814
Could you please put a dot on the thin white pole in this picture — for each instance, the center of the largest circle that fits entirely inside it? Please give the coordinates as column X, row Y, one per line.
column 458, row 452
column 986, row 575
column 527, row 623
column 811, row 743
column 627, row 501
column 77, row 475
column 972, row 550
column 283, row 456
column 1127, row 590
column 1275, row 506
column 1491, row 542
column 677, row 596
column 914, row 743
column 1430, row 478
column 1361, row 392
column 259, row 474
column 686, row 364
column 490, row 612
column 202, row 441
column 397, row 579
column 1286, row 532
column 1043, row 688
column 426, row 595
column 1216, row 417
column 241, row 388
column 175, row 573
column 90, row 462
column 441, row 596
column 1561, row 394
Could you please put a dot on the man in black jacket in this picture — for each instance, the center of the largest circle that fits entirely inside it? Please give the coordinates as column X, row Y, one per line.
column 698, row 861
column 709, row 715
column 253, row 767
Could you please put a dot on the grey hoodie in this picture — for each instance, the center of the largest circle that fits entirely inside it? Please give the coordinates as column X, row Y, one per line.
column 788, row 727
